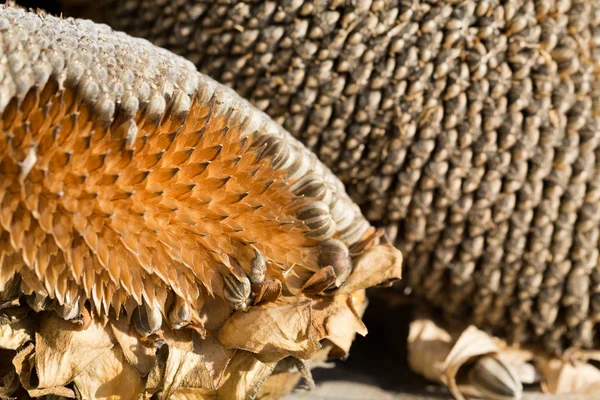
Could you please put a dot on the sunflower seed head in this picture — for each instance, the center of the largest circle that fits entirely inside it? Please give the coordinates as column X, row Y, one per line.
column 410, row 108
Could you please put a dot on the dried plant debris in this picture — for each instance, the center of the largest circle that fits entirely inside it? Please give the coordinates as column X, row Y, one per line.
column 468, row 129
column 157, row 232
column 476, row 365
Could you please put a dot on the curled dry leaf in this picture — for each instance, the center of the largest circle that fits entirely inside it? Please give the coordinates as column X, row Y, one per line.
column 24, row 363
column 286, row 374
column 568, row 377
column 494, row 367
column 188, row 361
column 141, row 355
column 470, row 344
column 376, row 265
column 109, row 376
column 13, row 336
column 428, row 347
column 341, row 318
column 279, row 384
column 282, row 329
column 244, row 376
column 215, row 358
column 63, row 350
column 176, row 366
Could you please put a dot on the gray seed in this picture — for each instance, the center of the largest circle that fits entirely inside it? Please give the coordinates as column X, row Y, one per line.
column 147, row 319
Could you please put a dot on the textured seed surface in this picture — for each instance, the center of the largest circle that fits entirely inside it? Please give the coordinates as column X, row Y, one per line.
column 468, row 129
column 495, row 379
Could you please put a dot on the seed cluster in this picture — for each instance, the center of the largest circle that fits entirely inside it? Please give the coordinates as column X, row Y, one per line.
column 469, row 129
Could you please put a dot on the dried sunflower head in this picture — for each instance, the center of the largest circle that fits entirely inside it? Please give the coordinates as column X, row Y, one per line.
column 158, row 235
column 469, row 129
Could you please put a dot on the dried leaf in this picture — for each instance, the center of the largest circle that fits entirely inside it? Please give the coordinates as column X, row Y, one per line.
column 24, row 363
column 63, row 349
column 185, row 362
column 215, row 359
column 140, row 355
column 180, row 360
column 376, row 265
column 214, row 313
column 273, row 330
column 338, row 319
column 110, row 376
column 244, row 376
column 428, row 347
column 193, row 394
column 181, row 364
column 471, row 343
column 439, row 355
column 563, row 377
column 15, row 335
column 278, row 385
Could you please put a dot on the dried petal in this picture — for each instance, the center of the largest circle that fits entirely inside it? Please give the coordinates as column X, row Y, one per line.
column 138, row 354
column 109, row 375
